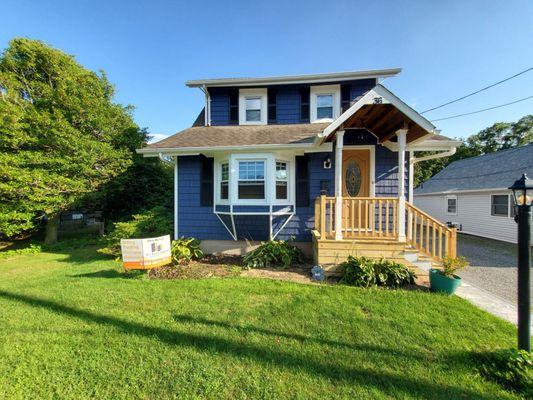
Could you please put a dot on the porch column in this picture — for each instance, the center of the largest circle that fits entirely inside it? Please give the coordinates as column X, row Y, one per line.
column 338, row 184
column 175, row 197
column 401, row 133
column 411, row 175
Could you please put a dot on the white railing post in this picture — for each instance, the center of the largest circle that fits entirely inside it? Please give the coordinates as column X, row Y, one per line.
column 401, row 133
column 338, row 185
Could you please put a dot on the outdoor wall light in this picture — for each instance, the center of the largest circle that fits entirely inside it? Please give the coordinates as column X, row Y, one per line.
column 327, row 162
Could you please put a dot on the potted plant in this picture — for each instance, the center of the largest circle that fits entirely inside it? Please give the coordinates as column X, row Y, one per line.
column 445, row 280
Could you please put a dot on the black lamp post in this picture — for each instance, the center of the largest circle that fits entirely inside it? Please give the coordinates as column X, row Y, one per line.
column 522, row 194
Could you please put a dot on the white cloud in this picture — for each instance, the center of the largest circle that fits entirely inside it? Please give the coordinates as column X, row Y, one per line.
column 156, row 137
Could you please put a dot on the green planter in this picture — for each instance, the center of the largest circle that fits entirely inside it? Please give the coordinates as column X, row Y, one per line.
column 443, row 284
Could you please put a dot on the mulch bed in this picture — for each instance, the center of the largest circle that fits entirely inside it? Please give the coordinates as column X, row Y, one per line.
column 210, row 266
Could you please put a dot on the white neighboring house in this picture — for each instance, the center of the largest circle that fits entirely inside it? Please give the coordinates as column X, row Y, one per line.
column 473, row 194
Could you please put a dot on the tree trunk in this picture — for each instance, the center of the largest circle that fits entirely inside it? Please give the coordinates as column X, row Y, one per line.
column 51, row 229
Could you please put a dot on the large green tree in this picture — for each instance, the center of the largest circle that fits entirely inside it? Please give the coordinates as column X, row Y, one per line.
column 62, row 138
column 499, row 136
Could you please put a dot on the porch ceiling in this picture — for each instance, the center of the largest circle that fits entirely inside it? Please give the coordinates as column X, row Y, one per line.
column 383, row 120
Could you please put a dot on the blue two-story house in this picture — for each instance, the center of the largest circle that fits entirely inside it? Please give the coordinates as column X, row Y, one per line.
column 325, row 159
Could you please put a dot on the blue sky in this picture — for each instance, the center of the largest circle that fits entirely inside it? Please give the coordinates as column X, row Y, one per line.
column 150, row 48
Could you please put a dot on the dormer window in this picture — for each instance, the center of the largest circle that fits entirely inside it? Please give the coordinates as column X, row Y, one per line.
column 253, row 107
column 325, row 103
column 324, row 106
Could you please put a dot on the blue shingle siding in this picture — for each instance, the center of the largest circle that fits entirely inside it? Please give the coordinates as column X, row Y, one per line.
column 194, row 220
column 288, row 101
column 202, row 223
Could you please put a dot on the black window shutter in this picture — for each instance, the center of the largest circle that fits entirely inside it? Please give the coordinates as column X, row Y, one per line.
column 206, row 182
column 234, row 106
column 345, row 97
column 304, row 104
column 302, row 181
column 272, row 106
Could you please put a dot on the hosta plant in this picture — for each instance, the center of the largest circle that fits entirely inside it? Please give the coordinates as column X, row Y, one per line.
column 366, row 272
column 274, row 253
column 186, row 249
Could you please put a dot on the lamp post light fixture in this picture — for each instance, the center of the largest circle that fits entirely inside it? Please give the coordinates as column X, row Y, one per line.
column 522, row 195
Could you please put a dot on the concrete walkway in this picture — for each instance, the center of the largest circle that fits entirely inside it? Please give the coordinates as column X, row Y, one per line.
column 489, row 302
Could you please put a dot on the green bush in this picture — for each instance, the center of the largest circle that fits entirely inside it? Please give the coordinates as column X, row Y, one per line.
column 451, row 265
column 365, row 272
column 31, row 249
column 274, row 253
column 513, row 369
column 185, row 250
column 151, row 223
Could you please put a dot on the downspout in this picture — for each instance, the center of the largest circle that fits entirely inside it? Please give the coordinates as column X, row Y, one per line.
column 207, row 107
column 413, row 160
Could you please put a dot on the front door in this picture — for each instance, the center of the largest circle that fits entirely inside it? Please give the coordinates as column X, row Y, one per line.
column 355, row 183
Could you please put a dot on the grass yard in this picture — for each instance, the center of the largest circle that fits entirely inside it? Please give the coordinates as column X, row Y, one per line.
column 73, row 327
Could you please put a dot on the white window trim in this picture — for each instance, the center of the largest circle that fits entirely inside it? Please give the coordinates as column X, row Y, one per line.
column 270, row 178
column 510, row 204
column 334, row 90
column 452, row 197
column 253, row 93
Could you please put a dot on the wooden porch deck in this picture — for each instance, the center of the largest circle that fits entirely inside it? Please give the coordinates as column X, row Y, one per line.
column 370, row 228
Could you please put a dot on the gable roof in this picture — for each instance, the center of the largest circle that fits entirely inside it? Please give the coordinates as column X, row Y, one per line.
column 490, row 171
column 212, row 137
column 289, row 79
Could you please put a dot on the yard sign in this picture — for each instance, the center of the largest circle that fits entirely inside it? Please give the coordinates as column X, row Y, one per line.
column 145, row 253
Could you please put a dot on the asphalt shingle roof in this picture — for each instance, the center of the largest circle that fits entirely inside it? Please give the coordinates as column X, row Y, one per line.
column 489, row 171
column 243, row 135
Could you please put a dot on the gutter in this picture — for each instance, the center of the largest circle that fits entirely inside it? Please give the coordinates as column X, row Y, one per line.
column 207, row 107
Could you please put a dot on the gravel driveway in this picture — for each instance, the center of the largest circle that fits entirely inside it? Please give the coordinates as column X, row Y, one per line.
column 492, row 265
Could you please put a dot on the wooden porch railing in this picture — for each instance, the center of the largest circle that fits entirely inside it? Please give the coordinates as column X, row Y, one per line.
column 374, row 217
column 428, row 235
column 377, row 217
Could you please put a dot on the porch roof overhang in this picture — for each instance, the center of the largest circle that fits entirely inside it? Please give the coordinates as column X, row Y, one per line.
column 382, row 113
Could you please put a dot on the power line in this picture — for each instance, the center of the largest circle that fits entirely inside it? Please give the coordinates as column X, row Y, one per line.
column 478, row 91
column 485, row 109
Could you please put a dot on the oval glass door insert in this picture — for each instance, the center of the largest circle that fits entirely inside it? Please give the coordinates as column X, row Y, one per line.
column 353, row 179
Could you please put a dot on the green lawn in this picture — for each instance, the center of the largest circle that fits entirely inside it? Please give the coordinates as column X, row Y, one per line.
column 71, row 326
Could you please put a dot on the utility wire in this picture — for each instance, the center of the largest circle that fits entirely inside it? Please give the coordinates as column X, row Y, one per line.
column 485, row 109
column 478, row 91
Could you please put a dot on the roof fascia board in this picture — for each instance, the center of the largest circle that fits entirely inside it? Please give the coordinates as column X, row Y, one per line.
column 448, row 192
column 195, row 150
column 425, row 146
column 294, row 79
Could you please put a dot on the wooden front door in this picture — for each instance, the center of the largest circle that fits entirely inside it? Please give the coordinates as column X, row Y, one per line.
column 356, row 173
column 355, row 183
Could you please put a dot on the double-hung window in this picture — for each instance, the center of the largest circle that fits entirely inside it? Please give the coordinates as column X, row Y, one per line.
column 324, row 106
column 251, row 183
column 224, row 181
column 282, row 180
column 451, row 205
column 499, row 205
column 253, row 109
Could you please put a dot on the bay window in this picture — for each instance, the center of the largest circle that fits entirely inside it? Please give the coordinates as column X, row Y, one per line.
column 224, row 181
column 254, row 179
column 281, row 180
column 251, row 184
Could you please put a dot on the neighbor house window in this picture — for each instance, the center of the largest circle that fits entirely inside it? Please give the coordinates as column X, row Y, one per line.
column 451, row 205
column 281, row 180
column 253, row 109
column 324, row 106
column 499, row 205
column 251, row 184
column 224, row 181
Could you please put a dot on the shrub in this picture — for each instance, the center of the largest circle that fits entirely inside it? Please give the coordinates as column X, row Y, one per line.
column 513, row 369
column 31, row 249
column 276, row 253
column 451, row 265
column 365, row 272
column 151, row 223
column 185, row 250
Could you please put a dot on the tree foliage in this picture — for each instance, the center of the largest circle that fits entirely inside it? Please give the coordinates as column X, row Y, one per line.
column 63, row 141
column 499, row 136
